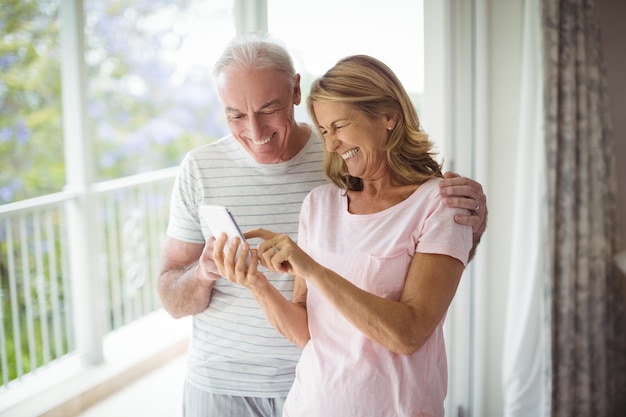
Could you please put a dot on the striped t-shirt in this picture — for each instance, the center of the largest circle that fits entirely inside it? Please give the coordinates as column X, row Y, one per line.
column 234, row 349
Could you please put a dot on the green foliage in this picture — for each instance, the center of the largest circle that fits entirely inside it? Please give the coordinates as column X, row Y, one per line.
column 145, row 110
column 150, row 108
column 33, row 304
column 30, row 100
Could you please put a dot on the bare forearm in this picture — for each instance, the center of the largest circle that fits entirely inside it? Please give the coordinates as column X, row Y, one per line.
column 183, row 292
column 472, row 251
column 290, row 319
column 476, row 236
column 401, row 326
column 392, row 324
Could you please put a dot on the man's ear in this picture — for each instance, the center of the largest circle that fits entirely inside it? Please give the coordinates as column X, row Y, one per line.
column 297, row 91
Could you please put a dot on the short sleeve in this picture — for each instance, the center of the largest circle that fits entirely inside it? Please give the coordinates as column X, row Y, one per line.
column 442, row 235
column 184, row 221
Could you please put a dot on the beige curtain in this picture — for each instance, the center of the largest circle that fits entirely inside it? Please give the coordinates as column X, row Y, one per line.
column 587, row 363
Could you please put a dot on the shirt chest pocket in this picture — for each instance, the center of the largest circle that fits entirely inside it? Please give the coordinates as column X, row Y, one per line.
column 385, row 275
column 380, row 275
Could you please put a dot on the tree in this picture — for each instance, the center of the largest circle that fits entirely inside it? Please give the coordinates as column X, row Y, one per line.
column 145, row 107
column 31, row 140
column 145, row 111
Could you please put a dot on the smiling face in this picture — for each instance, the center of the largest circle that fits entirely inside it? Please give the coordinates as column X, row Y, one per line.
column 359, row 139
column 259, row 108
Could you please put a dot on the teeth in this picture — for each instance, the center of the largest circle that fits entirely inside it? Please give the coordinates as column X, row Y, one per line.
column 349, row 154
column 262, row 141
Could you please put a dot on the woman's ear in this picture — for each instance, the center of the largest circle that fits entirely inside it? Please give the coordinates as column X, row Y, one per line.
column 392, row 121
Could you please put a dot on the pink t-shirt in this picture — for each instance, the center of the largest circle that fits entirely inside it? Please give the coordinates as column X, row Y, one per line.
column 341, row 372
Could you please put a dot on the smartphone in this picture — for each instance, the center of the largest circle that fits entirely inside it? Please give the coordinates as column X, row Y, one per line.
column 220, row 219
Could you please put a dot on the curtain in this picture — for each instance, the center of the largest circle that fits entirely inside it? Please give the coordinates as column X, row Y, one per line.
column 587, row 360
column 525, row 360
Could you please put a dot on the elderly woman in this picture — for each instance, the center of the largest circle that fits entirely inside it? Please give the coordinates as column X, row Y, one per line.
column 378, row 260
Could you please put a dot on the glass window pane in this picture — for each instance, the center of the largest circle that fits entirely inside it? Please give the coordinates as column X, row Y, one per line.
column 150, row 92
column 322, row 32
column 31, row 145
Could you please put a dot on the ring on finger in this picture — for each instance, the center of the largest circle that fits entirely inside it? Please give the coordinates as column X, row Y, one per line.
column 477, row 206
column 275, row 249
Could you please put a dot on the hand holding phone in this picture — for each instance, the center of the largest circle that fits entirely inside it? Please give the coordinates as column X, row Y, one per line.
column 220, row 219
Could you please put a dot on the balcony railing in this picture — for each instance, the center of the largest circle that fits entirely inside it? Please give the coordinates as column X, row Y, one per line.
column 40, row 309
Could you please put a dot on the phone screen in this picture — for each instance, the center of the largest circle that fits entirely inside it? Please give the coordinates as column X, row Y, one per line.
column 220, row 220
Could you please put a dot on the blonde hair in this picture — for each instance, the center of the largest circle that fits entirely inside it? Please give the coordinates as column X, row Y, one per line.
column 374, row 89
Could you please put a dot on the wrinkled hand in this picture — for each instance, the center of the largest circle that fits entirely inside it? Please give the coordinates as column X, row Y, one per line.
column 281, row 254
column 462, row 192
column 237, row 269
column 277, row 253
column 206, row 264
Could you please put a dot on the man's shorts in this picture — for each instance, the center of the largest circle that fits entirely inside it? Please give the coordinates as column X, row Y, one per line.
column 199, row 403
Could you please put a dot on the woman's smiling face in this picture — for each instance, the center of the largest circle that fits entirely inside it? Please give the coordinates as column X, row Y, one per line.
column 358, row 138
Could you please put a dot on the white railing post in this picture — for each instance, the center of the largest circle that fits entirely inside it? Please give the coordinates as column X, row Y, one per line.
column 79, row 165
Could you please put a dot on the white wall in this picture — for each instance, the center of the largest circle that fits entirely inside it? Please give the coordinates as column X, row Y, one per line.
column 504, row 49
